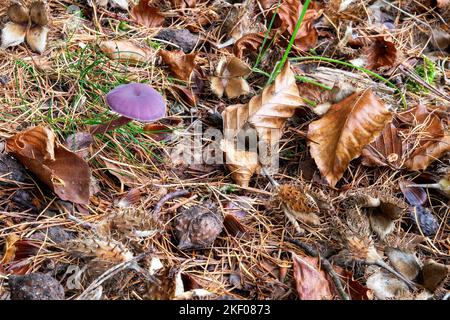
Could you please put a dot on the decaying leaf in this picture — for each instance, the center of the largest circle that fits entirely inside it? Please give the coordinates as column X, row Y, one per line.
column 125, row 51
column 381, row 53
column 289, row 13
column 147, row 15
column 52, row 163
column 311, row 283
column 386, row 150
column 229, row 78
column 342, row 133
column 429, row 142
column 250, row 42
column 180, row 64
column 261, row 119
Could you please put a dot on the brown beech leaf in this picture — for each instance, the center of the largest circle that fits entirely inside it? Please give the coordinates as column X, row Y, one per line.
column 52, row 163
column 381, row 53
column 146, row 15
column 185, row 94
column 249, row 42
column 264, row 115
column 180, row 64
column 289, row 13
column 386, row 150
column 311, row 283
column 229, row 78
column 429, row 142
column 125, row 51
column 341, row 134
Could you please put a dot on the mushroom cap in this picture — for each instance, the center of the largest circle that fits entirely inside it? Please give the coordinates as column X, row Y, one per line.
column 137, row 101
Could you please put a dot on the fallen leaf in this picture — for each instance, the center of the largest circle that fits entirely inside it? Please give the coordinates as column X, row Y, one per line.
column 342, row 133
column 288, row 14
column 126, row 177
column 53, row 164
column 180, row 64
column 184, row 94
column 229, row 78
column 261, row 119
column 79, row 143
column 381, row 53
column 354, row 288
column 429, row 142
column 249, row 42
column 183, row 38
column 125, row 51
column 147, row 15
column 311, row 283
column 386, row 150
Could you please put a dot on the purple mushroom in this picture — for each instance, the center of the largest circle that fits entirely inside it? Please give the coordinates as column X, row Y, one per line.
column 132, row 101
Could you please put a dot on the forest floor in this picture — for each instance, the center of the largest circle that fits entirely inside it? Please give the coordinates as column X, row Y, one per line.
column 355, row 98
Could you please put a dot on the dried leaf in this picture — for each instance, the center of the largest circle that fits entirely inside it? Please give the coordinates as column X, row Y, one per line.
column 354, row 288
column 431, row 141
column 381, row 53
column 311, row 283
column 341, row 134
column 125, row 51
column 180, row 64
column 229, row 78
column 250, row 42
column 53, row 164
column 288, row 13
column 265, row 114
column 386, row 150
column 146, row 15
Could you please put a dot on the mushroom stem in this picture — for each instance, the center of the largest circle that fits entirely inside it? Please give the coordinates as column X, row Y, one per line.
column 110, row 125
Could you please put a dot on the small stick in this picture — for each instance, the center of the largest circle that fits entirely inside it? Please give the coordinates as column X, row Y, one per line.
column 167, row 197
column 182, row 203
column 325, row 263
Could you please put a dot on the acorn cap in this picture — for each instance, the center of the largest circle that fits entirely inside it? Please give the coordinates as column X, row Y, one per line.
column 137, row 101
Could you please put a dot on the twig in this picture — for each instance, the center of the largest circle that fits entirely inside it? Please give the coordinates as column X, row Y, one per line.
column 325, row 263
column 182, row 203
column 167, row 197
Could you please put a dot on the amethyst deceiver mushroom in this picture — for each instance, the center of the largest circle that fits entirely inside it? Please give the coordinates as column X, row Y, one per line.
column 132, row 101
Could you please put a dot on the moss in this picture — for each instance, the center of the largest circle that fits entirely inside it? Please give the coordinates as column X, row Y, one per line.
column 426, row 71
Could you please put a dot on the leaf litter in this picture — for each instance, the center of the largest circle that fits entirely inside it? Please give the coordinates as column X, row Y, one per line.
column 350, row 201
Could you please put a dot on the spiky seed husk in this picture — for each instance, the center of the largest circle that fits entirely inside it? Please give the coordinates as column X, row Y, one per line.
column 37, row 38
column 13, row 34
column 38, row 13
column 18, row 13
column 106, row 250
column 299, row 203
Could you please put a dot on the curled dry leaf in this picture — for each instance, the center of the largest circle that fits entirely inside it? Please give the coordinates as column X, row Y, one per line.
column 180, row 64
column 125, row 51
column 146, row 15
column 311, row 283
column 386, row 150
column 289, row 13
column 342, row 133
column 53, row 164
column 429, row 142
column 262, row 118
column 250, row 42
column 381, row 53
column 229, row 78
